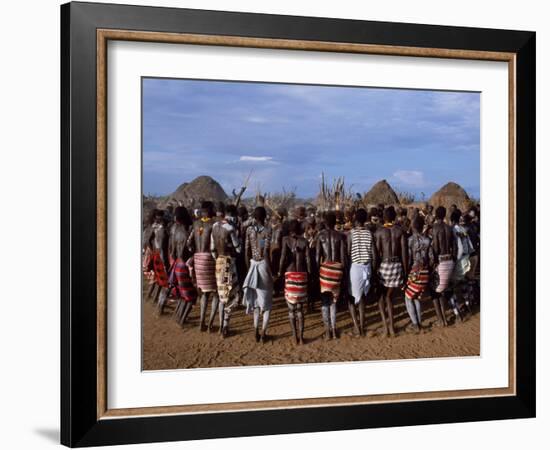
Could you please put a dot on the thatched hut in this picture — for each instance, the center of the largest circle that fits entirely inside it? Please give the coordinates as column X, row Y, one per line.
column 200, row 189
column 381, row 192
column 451, row 194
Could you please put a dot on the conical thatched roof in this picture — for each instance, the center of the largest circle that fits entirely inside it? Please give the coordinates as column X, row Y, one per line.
column 450, row 194
column 201, row 188
column 381, row 192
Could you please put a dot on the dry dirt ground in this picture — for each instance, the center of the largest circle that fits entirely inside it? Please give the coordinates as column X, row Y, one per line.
column 167, row 346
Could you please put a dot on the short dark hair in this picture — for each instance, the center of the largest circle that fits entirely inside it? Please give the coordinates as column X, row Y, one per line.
column 455, row 216
column 260, row 213
column 301, row 211
column 182, row 216
column 330, row 219
column 243, row 212
column 361, row 215
column 154, row 213
column 294, row 226
column 220, row 207
column 373, row 212
column 440, row 212
column 208, row 206
column 231, row 210
column 389, row 214
column 418, row 223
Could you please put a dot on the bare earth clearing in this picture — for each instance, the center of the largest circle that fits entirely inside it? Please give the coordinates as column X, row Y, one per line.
column 167, row 346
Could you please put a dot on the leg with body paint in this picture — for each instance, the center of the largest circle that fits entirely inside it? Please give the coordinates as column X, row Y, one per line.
column 418, row 307
column 178, row 312
column 292, row 319
column 333, row 318
column 150, row 290
column 256, row 324
column 353, row 314
column 228, row 309
column 300, row 317
column 361, row 306
column 382, row 309
column 221, row 309
column 389, row 306
column 325, row 313
column 187, row 309
column 443, row 309
column 156, row 294
column 453, row 303
column 265, row 323
column 413, row 309
column 203, row 304
column 214, row 310
column 163, row 298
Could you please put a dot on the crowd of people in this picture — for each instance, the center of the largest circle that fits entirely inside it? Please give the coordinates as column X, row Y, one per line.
column 222, row 258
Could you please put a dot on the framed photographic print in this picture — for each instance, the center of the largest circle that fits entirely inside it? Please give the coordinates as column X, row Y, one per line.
column 272, row 224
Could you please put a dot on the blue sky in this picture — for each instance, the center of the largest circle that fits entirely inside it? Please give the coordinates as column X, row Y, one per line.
column 288, row 134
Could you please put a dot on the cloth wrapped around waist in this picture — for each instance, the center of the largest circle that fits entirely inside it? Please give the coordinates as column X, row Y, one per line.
column 205, row 271
column 442, row 275
column 391, row 274
column 360, row 280
column 180, row 278
column 417, row 282
column 161, row 277
column 258, row 286
column 330, row 276
column 226, row 277
column 295, row 287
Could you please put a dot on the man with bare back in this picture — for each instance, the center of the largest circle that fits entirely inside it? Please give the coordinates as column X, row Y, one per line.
column 158, row 238
column 295, row 261
column 391, row 250
column 204, row 264
column 225, row 247
column 258, row 284
column 331, row 260
column 360, row 252
column 444, row 247
column 180, row 281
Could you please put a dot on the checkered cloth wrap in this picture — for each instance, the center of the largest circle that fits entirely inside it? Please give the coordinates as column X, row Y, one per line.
column 180, row 278
column 417, row 282
column 442, row 275
column 330, row 275
column 161, row 277
column 295, row 287
column 226, row 277
column 391, row 274
column 205, row 271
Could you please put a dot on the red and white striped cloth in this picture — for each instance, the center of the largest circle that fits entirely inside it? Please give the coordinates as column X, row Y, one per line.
column 295, row 287
column 417, row 282
column 330, row 274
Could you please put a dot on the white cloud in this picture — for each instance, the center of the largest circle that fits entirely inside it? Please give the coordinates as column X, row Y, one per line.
column 412, row 178
column 256, row 158
column 257, row 119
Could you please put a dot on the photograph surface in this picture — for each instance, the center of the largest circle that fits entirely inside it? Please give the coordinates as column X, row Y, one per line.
column 296, row 224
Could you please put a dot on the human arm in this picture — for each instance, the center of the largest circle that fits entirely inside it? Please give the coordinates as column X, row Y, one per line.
column 284, row 252
column 404, row 252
